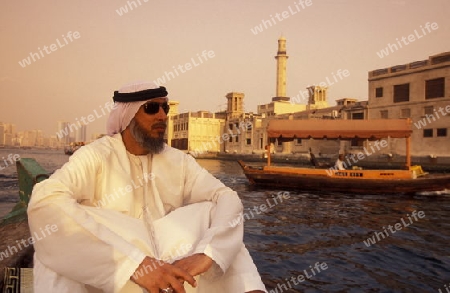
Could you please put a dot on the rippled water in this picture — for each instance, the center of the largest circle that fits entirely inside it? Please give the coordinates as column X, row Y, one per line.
column 302, row 229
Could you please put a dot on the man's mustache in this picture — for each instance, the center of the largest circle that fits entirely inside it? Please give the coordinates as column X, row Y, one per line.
column 159, row 125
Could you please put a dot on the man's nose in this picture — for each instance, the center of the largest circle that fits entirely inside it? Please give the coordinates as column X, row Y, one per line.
column 161, row 114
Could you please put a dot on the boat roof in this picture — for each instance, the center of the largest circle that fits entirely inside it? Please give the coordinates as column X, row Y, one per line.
column 339, row 129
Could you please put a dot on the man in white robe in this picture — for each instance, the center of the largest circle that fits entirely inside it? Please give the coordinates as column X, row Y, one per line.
column 135, row 215
column 339, row 165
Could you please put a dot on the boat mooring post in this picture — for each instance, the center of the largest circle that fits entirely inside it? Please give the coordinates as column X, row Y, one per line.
column 408, row 152
column 29, row 173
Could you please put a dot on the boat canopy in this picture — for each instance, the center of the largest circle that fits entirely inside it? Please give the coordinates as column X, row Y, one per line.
column 339, row 129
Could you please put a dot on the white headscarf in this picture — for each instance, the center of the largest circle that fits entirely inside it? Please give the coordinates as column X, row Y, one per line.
column 122, row 113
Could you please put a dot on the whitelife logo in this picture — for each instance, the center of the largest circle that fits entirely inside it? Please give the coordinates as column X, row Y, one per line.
column 66, row 39
column 279, row 17
column 391, row 48
column 183, row 68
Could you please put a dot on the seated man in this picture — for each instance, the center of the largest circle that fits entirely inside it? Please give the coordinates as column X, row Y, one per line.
column 135, row 215
column 312, row 159
column 339, row 165
column 314, row 162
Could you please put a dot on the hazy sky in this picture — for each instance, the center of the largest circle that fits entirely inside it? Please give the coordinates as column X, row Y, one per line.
column 78, row 75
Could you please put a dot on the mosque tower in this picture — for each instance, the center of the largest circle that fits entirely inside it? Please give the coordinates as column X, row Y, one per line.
column 281, row 71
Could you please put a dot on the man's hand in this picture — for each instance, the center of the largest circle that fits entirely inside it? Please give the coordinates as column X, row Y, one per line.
column 195, row 264
column 154, row 275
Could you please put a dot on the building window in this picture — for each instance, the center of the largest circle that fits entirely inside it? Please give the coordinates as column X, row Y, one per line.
column 428, row 132
column 384, row 114
column 356, row 142
column 230, row 126
column 406, row 113
column 237, row 138
column 379, row 92
column 441, row 132
column 357, row 116
column 249, row 125
column 298, row 141
column 401, row 93
column 230, row 139
column 249, row 141
column 435, row 88
column 428, row 110
column 279, row 142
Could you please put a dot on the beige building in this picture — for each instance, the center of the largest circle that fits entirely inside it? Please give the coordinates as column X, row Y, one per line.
column 278, row 107
column 419, row 91
column 7, row 134
column 170, row 128
column 197, row 132
column 317, row 97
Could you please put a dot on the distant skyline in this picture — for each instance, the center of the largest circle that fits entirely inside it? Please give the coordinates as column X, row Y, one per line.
column 65, row 62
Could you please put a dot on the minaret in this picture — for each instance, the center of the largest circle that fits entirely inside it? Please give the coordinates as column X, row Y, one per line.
column 281, row 70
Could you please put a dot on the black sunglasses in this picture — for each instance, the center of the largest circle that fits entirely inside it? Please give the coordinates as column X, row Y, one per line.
column 152, row 108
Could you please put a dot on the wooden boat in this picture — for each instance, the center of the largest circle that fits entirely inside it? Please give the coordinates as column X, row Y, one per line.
column 411, row 179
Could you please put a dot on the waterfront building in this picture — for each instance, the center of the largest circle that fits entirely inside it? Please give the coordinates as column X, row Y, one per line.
column 317, row 97
column 80, row 133
column 419, row 91
column 7, row 134
column 10, row 131
column 241, row 127
column 170, row 128
column 63, row 133
column 197, row 132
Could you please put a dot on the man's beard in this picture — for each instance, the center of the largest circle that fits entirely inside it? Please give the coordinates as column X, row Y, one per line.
column 151, row 144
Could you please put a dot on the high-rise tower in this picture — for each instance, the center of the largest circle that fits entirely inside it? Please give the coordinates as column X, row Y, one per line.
column 281, row 70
